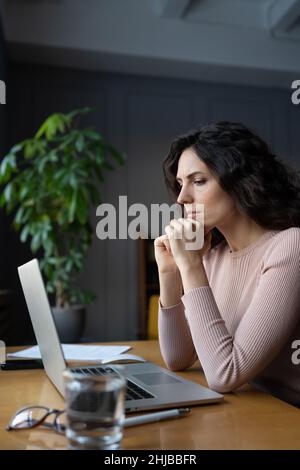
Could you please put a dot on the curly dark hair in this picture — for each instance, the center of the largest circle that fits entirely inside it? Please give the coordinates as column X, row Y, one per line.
column 262, row 187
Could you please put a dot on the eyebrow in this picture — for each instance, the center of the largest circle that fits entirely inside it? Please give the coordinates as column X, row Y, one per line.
column 191, row 174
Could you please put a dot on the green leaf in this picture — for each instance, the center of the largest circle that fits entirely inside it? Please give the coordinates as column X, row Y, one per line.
column 69, row 265
column 50, row 130
column 2, row 200
column 7, row 167
column 16, row 148
column 50, row 288
column 82, row 206
column 99, row 157
column 79, row 112
column 41, row 165
column 29, row 149
column 29, row 203
column 60, row 123
column 23, row 192
column 54, row 124
column 73, row 181
column 19, row 215
column 59, row 173
column 52, row 156
column 79, row 144
column 73, row 206
column 94, row 135
column 35, row 242
column 24, row 234
column 8, row 191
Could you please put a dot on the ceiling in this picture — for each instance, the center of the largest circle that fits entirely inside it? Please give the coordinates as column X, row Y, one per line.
column 254, row 42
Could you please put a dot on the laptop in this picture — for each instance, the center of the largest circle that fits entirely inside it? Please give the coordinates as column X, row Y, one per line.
column 148, row 385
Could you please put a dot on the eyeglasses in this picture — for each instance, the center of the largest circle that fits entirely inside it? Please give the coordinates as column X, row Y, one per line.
column 32, row 416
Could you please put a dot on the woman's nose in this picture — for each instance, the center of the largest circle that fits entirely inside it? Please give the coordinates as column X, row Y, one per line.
column 184, row 196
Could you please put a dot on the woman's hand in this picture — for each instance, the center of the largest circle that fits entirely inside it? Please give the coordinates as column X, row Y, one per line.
column 163, row 255
column 180, row 233
column 169, row 276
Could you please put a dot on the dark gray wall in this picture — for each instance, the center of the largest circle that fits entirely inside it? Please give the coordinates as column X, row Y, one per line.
column 5, row 299
column 2, row 77
column 140, row 116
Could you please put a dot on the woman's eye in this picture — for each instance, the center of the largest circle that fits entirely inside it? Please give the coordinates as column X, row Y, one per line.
column 199, row 182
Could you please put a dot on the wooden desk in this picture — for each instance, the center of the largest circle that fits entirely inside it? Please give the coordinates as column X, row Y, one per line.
column 247, row 419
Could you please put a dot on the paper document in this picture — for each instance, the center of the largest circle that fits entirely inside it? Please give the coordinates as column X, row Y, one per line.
column 73, row 352
column 123, row 358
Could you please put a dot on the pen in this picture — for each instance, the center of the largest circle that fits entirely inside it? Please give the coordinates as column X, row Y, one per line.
column 160, row 416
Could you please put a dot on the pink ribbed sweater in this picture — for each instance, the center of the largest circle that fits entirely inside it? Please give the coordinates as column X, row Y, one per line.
column 241, row 327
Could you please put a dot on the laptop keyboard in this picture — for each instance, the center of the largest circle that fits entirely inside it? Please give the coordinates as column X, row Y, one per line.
column 133, row 391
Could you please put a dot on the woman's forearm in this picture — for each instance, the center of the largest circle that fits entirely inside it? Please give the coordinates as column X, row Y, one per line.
column 193, row 277
column 170, row 288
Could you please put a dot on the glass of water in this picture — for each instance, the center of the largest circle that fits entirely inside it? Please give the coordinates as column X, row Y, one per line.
column 95, row 409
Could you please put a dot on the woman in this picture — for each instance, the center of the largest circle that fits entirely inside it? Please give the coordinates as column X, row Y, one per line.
column 235, row 303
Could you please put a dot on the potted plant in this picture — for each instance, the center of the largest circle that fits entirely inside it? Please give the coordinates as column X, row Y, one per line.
column 50, row 182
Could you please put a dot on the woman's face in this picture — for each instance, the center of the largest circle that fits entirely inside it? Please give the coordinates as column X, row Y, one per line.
column 199, row 186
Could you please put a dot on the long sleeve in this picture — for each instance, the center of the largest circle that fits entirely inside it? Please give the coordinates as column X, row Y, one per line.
column 271, row 317
column 175, row 340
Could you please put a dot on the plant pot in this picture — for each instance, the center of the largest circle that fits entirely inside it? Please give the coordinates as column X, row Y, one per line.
column 69, row 322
